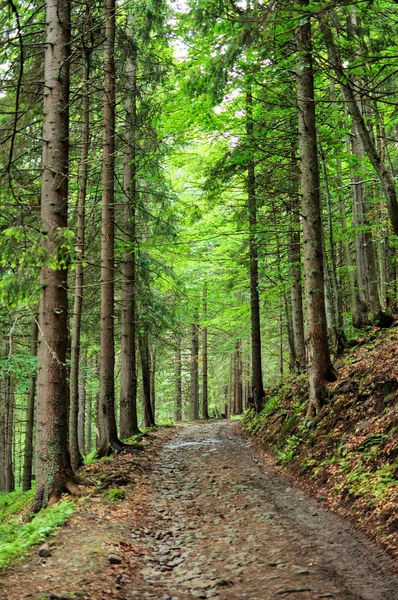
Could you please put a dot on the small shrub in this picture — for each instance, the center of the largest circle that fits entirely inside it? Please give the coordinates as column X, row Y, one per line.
column 116, row 494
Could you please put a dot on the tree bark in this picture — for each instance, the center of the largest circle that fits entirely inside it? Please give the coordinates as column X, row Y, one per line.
column 354, row 308
column 329, row 304
column 205, row 391
column 30, row 412
column 152, row 355
column 81, row 421
column 379, row 166
column 230, row 386
column 89, row 427
column 296, row 292
column 9, row 434
column 332, row 293
column 319, row 366
column 281, row 369
column 106, row 414
column 257, row 375
column 53, row 461
column 178, row 382
column 128, row 366
column 3, row 416
column 143, row 344
column 362, row 308
column 194, row 400
column 237, row 379
column 74, row 446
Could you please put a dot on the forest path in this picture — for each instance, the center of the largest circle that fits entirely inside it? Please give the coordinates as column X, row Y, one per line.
column 225, row 525
column 203, row 517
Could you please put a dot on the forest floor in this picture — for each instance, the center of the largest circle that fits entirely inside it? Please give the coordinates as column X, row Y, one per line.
column 206, row 517
column 348, row 458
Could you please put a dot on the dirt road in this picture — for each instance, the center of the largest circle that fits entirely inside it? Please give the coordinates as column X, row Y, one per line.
column 214, row 521
column 225, row 525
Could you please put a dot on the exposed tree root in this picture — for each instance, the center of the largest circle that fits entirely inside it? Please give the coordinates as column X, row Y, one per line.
column 72, row 487
column 117, row 447
column 41, row 500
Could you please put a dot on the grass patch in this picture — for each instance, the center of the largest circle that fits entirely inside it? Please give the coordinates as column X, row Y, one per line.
column 16, row 537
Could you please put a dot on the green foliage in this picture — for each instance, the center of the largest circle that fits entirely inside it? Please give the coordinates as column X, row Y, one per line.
column 91, row 458
column 235, row 417
column 14, row 502
column 373, row 485
column 115, row 494
column 289, row 449
column 16, row 537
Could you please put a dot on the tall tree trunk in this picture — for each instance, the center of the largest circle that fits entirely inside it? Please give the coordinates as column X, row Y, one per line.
column 248, row 383
column 354, row 308
column 194, row 402
column 9, row 433
column 319, row 366
column 81, row 421
column 329, row 304
column 296, row 295
column 89, row 427
column 391, row 272
column 178, row 382
column 152, row 355
column 74, row 446
column 378, row 317
column 128, row 366
column 3, row 432
column 205, row 391
column 143, row 344
column 30, row 413
column 257, row 375
column 379, row 166
column 332, row 293
column 237, row 379
column 230, row 386
column 281, row 345
column 106, row 415
column 53, row 461
column 357, row 221
column 296, row 292
column 226, row 407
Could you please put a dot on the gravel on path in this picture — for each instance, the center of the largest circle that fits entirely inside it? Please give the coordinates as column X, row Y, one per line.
column 223, row 524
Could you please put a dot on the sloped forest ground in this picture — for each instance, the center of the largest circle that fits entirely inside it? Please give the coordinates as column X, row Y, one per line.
column 201, row 515
column 349, row 457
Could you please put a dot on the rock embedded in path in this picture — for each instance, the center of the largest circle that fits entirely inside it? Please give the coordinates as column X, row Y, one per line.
column 198, row 594
column 204, row 584
column 45, row 551
column 114, row 558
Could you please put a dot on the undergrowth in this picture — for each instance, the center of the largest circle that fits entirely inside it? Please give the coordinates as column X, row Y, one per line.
column 16, row 536
column 349, row 454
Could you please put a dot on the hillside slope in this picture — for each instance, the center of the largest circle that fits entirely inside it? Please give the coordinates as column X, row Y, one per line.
column 349, row 456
